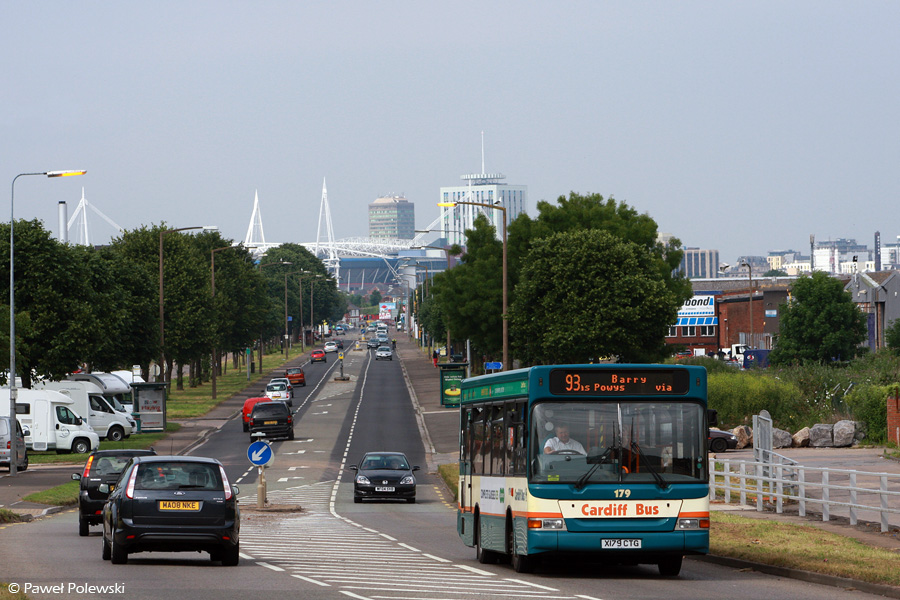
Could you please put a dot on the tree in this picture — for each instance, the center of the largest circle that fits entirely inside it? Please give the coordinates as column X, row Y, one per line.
column 471, row 294
column 775, row 273
column 590, row 293
column 55, row 305
column 892, row 336
column 820, row 323
column 375, row 298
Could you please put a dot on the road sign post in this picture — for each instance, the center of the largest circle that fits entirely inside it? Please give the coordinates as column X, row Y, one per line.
column 260, row 454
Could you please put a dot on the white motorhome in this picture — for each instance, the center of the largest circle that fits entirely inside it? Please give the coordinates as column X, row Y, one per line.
column 99, row 412
column 51, row 421
column 112, row 387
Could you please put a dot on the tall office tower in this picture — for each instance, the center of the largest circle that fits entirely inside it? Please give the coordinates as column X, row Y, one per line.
column 481, row 188
column 699, row 264
column 392, row 217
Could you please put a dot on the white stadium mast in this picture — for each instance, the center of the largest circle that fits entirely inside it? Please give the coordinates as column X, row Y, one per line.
column 332, row 260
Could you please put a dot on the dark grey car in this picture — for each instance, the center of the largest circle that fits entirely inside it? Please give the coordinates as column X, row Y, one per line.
column 172, row 504
column 384, row 475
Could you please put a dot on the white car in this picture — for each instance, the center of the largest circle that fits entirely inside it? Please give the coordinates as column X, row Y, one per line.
column 331, row 347
column 285, row 381
column 279, row 391
column 384, row 352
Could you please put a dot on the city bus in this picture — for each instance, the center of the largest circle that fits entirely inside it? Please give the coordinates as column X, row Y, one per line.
column 608, row 460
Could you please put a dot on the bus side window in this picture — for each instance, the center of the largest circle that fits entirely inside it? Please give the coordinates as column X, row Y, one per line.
column 478, row 441
column 498, row 441
column 465, row 438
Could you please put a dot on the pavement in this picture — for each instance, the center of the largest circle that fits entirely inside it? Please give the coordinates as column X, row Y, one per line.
column 439, row 428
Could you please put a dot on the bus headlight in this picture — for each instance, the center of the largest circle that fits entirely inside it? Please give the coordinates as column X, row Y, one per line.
column 557, row 524
column 684, row 524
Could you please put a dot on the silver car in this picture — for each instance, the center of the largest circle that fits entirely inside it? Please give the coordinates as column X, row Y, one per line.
column 384, row 352
column 6, row 445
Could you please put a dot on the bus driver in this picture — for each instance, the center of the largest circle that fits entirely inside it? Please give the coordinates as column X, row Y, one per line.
column 562, row 441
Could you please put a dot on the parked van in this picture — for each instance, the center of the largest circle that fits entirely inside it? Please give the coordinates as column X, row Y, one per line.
column 51, row 421
column 112, row 387
column 108, row 422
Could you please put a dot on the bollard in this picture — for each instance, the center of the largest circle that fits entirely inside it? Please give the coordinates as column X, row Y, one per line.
column 261, row 488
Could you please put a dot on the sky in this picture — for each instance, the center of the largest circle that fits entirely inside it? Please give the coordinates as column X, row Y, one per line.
column 743, row 127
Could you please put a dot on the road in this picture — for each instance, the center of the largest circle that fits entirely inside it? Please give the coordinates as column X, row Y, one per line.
column 334, row 548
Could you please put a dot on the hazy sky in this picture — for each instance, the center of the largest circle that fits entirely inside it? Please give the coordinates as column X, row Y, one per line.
column 739, row 126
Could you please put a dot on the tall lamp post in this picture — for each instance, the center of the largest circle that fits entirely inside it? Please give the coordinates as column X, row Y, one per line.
column 212, row 270
column 447, row 254
column 504, row 316
column 312, row 319
column 280, row 262
column 302, row 332
column 13, row 392
column 750, row 295
column 162, row 324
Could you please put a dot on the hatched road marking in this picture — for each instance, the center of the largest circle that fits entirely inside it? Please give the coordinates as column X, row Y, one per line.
column 341, row 553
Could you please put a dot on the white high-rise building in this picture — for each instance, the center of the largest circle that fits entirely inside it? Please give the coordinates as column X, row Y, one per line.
column 481, row 188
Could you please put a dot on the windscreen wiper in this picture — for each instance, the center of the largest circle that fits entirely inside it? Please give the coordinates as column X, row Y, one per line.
column 582, row 481
column 659, row 478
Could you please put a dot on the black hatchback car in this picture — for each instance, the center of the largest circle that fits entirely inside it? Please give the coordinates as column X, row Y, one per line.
column 172, row 504
column 102, row 467
column 384, row 475
column 272, row 419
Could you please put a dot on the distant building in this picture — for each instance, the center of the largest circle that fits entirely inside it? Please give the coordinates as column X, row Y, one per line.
column 699, row 264
column 829, row 255
column 392, row 217
column 779, row 259
column 482, row 188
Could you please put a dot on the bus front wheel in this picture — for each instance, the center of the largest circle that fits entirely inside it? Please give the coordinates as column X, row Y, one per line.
column 520, row 563
column 671, row 566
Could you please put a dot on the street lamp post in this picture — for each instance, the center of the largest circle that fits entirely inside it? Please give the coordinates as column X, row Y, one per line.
column 162, row 325
column 212, row 270
column 260, row 352
column 13, row 392
column 447, row 254
column 504, row 316
column 750, row 295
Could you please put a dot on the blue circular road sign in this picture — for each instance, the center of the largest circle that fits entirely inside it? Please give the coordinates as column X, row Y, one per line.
column 260, row 454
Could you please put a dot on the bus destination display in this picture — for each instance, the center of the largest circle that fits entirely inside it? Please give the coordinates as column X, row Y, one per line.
column 619, row 382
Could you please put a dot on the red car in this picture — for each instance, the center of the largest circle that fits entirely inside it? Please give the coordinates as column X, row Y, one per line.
column 249, row 403
column 296, row 376
column 317, row 355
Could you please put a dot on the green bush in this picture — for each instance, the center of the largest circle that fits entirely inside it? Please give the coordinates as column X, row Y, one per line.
column 737, row 396
column 868, row 403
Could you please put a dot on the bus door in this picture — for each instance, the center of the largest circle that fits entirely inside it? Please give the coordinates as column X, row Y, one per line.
column 465, row 459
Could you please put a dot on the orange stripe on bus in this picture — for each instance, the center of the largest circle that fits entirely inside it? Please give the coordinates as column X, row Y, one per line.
column 694, row 515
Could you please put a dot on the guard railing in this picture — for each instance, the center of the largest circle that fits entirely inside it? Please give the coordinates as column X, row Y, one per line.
column 837, row 492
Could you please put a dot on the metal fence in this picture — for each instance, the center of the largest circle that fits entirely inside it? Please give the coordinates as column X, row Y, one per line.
column 856, row 495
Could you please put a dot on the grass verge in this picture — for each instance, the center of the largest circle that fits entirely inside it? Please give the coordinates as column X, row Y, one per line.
column 61, row 495
column 8, row 516
column 802, row 547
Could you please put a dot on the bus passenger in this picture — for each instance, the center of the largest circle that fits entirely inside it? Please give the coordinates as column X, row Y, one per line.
column 562, row 441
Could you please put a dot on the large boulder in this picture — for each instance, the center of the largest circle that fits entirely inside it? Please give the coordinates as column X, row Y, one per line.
column 781, row 438
column 843, row 433
column 820, row 436
column 861, row 429
column 744, row 435
column 801, row 438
